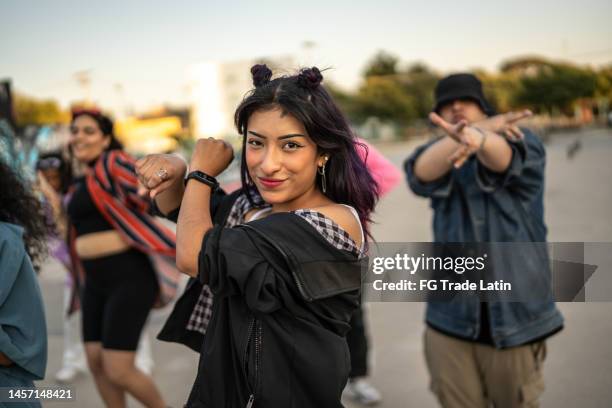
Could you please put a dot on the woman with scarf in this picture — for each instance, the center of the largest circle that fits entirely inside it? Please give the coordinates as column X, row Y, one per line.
column 123, row 260
column 279, row 260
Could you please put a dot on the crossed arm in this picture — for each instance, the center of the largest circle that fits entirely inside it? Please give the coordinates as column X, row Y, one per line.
column 463, row 140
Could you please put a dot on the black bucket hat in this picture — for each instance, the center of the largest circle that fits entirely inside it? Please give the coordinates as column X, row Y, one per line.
column 461, row 86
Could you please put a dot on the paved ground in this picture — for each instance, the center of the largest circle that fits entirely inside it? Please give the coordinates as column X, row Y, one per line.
column 579, row 364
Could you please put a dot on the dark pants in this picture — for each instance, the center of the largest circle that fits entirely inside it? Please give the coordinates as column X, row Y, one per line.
column 358, row 345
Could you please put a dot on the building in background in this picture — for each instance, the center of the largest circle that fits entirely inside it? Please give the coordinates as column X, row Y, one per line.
column 218, row 87
column 157, row 131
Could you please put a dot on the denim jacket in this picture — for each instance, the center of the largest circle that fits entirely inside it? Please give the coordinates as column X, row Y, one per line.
column 474, row 204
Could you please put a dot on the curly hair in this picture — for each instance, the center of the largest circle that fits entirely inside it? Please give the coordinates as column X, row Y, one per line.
column 19, row 205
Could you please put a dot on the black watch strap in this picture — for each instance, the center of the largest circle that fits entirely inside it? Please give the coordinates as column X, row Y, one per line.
column 203, row 178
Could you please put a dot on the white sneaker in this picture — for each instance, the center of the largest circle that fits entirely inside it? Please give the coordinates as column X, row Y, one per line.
column 362, row 392
column 146, row 368
column 67, row 374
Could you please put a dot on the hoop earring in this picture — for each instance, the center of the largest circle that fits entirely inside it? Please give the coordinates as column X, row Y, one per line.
column 321, row 171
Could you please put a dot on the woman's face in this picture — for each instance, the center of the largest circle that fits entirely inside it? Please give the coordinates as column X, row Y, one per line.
column 86, row 139
column 281, row 158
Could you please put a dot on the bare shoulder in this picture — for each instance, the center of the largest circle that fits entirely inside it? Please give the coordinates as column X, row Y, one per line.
column 344, row 217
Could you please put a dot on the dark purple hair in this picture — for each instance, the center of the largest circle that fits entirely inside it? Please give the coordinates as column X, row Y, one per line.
column 348, row 180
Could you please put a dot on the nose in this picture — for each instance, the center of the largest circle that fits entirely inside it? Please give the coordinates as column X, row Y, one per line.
column 75, row 135
column 457, row 105
column 271, row 162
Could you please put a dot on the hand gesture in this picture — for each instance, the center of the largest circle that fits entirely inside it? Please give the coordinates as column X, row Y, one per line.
column 505, row 124
column 158, row 172
column 469, row 137
column 460, row 131
column 211, row 156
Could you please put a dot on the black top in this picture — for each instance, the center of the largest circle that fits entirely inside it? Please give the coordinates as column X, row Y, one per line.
column 271, row 293
column 283, row 299
column 83, row 213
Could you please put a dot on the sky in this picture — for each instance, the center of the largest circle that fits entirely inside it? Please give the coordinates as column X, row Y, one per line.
column 137, row 53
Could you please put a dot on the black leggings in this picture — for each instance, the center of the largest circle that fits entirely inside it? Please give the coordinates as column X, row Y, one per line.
column 358, row 345
column 119, row 292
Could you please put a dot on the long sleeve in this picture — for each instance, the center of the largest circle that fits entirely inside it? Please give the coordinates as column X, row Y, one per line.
column 525, row 174
column 231, row 264
column 23, row 333
column 440, row 188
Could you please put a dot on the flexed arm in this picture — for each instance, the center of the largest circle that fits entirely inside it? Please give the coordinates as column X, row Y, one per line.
column 210, row 156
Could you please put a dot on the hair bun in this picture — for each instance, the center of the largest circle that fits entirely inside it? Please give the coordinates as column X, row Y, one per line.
column 261, row 74
column 310, row 78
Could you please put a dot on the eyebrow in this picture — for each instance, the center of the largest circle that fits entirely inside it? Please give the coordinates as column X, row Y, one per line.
column 280, row 138
column 84, row 127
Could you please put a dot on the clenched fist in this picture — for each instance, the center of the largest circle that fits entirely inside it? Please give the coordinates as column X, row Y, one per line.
column 159, row 172
column 211, row 156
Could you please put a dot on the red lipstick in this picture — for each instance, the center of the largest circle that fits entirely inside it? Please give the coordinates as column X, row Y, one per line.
column 270, row 182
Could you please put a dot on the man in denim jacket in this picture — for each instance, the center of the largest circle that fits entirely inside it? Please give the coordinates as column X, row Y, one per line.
column 485, row 179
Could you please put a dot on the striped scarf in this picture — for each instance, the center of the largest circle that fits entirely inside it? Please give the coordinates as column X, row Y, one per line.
column 113, row 186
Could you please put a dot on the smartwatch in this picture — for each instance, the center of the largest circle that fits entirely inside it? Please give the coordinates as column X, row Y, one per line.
column 203, row 178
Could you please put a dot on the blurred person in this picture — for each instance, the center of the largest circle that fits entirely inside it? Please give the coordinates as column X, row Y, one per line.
column 358, row 388
column 485, row 179
column 282, row 255
column 122, row 260
column 54, row 180
column 23, row 333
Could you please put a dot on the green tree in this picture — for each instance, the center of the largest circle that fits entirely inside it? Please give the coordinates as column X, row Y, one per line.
column 603, row 88
column 557, row 86
column 345, row 100
column 32, row 111
column 419, row 82
column 385, row 99
column 382, row 64
column 501, row 89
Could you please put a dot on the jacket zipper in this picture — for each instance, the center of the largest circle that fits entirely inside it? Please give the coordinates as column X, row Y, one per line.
column 298, row 282
column 258, row 341
column 255, row 330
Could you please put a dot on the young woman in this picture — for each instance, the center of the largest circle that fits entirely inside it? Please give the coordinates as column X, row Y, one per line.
column 282, row 256
column 23, row 333
column 54, row 180
column 123, row 256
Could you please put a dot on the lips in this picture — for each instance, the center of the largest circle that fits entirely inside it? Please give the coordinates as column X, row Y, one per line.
column 80, row 146
column 270, row 182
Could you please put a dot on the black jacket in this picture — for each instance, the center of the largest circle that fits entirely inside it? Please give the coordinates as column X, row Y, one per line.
column 283, row 300
column 175, row 329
